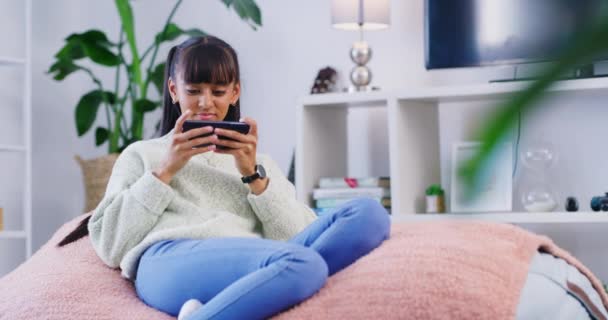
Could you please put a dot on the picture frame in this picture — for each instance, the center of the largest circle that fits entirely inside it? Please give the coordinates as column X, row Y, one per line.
column 495, row 187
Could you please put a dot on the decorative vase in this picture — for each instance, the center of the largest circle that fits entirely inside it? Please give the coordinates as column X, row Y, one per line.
column 96, row 173
column 435, row 204
column 537, row 195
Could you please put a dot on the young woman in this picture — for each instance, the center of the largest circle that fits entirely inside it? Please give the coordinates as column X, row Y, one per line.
column 218, row 233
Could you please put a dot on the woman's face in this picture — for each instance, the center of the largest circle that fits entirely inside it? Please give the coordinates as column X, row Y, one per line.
column 206, row 101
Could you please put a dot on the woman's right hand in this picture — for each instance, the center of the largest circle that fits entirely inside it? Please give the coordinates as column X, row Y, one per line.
column 182, row 148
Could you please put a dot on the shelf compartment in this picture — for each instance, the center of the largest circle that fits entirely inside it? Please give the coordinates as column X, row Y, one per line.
column 325, row 135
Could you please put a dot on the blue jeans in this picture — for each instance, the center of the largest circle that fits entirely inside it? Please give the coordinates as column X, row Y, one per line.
column 254, row 278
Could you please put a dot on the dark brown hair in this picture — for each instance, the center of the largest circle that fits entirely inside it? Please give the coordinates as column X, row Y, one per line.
column 198, row 60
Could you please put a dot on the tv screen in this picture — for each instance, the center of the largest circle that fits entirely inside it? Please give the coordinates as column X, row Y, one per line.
column 465, row 33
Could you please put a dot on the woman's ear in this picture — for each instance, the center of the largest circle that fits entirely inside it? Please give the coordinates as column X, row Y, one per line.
column 236, row 92
column 172, row 89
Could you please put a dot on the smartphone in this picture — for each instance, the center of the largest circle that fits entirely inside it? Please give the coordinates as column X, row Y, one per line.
column 227, row 125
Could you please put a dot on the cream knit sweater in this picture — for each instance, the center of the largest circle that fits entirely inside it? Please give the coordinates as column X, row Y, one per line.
column 206, row 198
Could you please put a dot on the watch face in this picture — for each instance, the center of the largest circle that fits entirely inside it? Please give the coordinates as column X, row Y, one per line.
column 261, row 171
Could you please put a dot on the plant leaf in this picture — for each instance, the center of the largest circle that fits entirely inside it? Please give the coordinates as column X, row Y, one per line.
column 93, row 44
column 86, row 111
column 171, row 33
column 101, row 55
column 145, row 105
column 62, row 69
column 101, row 136
column 247, row 10
column 587, row 45
column 72, row 50
column 92, row 36
column 126, row 18
column 174, row 31
column 87, row 107
column 109, row 97
column 157, row 76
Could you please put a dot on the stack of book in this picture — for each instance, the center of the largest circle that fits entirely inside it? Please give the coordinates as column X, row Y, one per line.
column 335, row 191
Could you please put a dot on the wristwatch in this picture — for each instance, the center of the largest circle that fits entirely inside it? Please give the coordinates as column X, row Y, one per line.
column 260, row 173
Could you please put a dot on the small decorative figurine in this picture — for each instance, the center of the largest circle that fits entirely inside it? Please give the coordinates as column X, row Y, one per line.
column 571, row 204
column 325, row 81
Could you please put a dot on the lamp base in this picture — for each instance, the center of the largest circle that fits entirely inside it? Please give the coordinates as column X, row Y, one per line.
column 360, row 75
column 351, row 89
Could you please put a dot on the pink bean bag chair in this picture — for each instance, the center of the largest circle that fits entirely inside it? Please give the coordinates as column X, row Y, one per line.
column 431, row 270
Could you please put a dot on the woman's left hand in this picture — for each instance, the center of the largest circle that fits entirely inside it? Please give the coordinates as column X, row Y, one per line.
column 243, row 149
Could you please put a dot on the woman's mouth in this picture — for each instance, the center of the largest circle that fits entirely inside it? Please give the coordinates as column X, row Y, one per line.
column 205, row 116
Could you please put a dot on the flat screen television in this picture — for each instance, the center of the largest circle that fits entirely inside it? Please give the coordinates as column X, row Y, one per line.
column 468, row 33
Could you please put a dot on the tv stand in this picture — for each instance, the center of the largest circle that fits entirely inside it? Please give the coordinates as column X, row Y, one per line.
column 581, row 72
column 536, row 78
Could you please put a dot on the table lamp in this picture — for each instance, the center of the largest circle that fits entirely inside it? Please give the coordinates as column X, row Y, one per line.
column 360, row 15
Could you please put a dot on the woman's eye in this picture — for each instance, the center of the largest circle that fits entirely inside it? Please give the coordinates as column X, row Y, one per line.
column 219, row 92
column 192, row 91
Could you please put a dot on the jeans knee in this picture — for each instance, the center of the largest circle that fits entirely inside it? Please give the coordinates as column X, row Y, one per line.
column 310, row 268
column 373, row 214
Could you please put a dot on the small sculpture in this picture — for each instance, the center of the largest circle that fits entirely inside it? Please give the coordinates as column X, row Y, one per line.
column 325, row 81
column 571, row 204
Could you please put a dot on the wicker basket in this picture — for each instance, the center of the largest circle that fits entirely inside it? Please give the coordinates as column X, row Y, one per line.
column 96, row 173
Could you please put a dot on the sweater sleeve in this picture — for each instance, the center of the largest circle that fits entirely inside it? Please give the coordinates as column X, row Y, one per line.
column 282, row 216
column 133, row 203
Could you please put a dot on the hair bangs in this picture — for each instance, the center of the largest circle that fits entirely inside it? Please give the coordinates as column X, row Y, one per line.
column 208, row 64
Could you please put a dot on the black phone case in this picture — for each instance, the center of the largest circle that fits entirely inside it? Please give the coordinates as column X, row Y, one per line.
column 228, row 125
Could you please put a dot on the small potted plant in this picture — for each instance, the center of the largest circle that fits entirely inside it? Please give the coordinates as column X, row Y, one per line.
column 435, row 200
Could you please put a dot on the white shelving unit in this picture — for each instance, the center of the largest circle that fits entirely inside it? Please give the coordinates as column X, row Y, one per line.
column 414, row 143
column 419, row 134
column 16, row 244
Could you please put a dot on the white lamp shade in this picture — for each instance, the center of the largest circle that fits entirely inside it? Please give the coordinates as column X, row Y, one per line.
column 357, row 14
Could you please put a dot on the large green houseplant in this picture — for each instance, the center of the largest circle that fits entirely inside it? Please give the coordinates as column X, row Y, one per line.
column 124, row 104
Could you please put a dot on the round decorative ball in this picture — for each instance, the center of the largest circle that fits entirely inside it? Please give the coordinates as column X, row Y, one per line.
column 360, row 53
column 360, row 76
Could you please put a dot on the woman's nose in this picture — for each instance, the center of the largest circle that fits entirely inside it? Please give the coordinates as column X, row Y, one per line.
column 204, row 100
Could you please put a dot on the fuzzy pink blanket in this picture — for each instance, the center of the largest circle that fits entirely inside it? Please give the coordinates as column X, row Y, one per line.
column 434, row 270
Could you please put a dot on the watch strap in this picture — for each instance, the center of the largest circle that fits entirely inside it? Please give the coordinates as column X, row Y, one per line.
column 251, row 178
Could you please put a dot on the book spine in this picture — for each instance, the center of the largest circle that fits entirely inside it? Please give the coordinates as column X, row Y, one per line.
column 350, row 193
column 334, row 202
column 322, row 211
column 327, row 183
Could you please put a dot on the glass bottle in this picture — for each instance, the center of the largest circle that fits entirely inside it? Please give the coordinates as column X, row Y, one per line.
column 538, row 158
